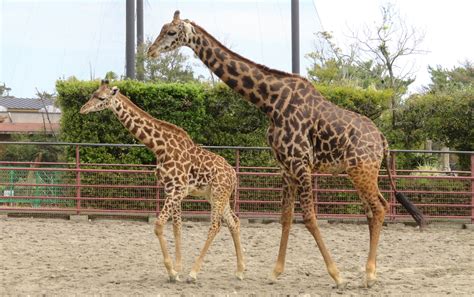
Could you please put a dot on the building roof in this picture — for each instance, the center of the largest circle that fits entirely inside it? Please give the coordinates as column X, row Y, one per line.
column 10, row 102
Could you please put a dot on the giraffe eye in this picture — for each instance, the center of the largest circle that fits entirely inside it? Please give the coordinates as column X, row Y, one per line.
column 171, row 33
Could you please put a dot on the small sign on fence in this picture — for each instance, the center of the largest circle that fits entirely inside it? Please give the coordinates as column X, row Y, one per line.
column 8, row 193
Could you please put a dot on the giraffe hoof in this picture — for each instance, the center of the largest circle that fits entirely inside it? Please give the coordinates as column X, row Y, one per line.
column 191, row 278
column 174, row 277
column 370, row 279
column 239, row 275
column 274, row 277
column 370, row 282
column 341, row 285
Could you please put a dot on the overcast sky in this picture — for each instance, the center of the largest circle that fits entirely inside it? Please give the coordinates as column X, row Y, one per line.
column 42, row 41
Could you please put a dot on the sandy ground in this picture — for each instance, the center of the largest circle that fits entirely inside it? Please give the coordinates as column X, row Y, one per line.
column 100, row 257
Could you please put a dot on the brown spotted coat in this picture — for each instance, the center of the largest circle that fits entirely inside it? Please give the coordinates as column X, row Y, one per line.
column 183, row 168
column 307, row 134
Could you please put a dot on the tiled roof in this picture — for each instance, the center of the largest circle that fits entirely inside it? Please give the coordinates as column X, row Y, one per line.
column 24, row 103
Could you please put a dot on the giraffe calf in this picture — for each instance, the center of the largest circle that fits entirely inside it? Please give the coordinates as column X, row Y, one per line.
column 184, row 168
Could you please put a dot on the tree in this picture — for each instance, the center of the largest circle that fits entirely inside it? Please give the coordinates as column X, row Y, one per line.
column 168, row 67
column 445, row 80
column 390, row 42
column 445, row 112
column 110, row 75
column 4, row 90
column 330, row 65
column 375, row 58
column 45, row 97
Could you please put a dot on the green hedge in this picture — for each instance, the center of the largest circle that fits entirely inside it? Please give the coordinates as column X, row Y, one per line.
column 211, row 115
column 369, row 102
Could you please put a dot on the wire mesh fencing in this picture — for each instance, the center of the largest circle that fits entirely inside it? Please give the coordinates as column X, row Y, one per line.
column 77, row 187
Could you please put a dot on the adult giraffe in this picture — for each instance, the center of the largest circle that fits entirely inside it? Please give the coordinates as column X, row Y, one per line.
column 307, row 133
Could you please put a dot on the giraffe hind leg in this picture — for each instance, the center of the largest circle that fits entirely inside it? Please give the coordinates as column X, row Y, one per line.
column 375, row 226
column 365, row 181
column 384, row 202
column 217, row 209
column 177, row 225
column 233, row 223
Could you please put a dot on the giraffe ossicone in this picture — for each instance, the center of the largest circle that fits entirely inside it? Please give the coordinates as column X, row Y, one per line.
column 183, row 168
column 307, row 133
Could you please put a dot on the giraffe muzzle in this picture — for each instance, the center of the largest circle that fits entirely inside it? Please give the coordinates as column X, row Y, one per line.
column 84, row 109
column 152, row 52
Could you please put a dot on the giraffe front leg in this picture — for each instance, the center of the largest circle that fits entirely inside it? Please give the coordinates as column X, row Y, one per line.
column 165, row 213
column 309, row 217
column 288, row 201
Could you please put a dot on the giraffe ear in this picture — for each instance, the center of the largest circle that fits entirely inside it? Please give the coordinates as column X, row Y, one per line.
column 176, row 16
column 115, row 89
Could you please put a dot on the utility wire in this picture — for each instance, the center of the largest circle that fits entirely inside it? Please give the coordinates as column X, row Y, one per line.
column 317, row 15
column 260, row 31
column 103, row 13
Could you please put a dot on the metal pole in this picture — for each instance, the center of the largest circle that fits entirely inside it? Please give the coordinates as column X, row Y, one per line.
column 315, row 195
column 295, row 37
column 393, row 169
column 157, row 195
column 78, row 181
column 236, row 194
column 140, row 40
column 472, row 189
column 130, row 39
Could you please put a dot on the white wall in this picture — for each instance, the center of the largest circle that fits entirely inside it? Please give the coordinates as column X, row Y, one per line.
column 30, row 117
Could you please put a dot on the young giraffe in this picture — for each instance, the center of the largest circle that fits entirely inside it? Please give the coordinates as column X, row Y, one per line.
column 184, row 168
column 307, row 133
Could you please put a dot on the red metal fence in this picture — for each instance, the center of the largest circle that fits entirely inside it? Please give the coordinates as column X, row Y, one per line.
column 129, row 189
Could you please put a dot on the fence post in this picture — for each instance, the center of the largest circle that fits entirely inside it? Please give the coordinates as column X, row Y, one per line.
column 12, row 188
column 315, row 194
column 236, row 190
column 472, row 189
column 78, row 181
column 157, row 195
column 392, row 209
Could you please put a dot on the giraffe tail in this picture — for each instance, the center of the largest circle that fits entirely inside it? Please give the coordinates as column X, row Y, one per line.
column 402, row 199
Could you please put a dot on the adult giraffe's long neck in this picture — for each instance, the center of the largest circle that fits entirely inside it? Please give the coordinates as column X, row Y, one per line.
column 259, row 84
column 151, row 132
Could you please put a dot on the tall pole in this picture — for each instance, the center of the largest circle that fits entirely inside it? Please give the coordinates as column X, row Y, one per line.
column 130, row 39
column 140, row 41
column 140, row 38
column 295, row 37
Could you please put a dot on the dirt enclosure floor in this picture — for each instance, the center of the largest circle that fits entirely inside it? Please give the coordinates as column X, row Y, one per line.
column 105, row 257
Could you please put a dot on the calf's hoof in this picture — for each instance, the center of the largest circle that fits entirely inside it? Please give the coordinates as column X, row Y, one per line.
column 174, row 277
column 192, row 278
column 370, row 282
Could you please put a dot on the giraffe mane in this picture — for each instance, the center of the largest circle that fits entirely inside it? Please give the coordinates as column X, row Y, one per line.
column 172, row 127
column 257, row 65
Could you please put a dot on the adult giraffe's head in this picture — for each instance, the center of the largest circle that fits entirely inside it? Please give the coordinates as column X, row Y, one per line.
column 172, row 36
column 100, row 99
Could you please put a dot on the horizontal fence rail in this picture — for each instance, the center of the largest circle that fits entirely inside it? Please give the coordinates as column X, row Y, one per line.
column 75, row 187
